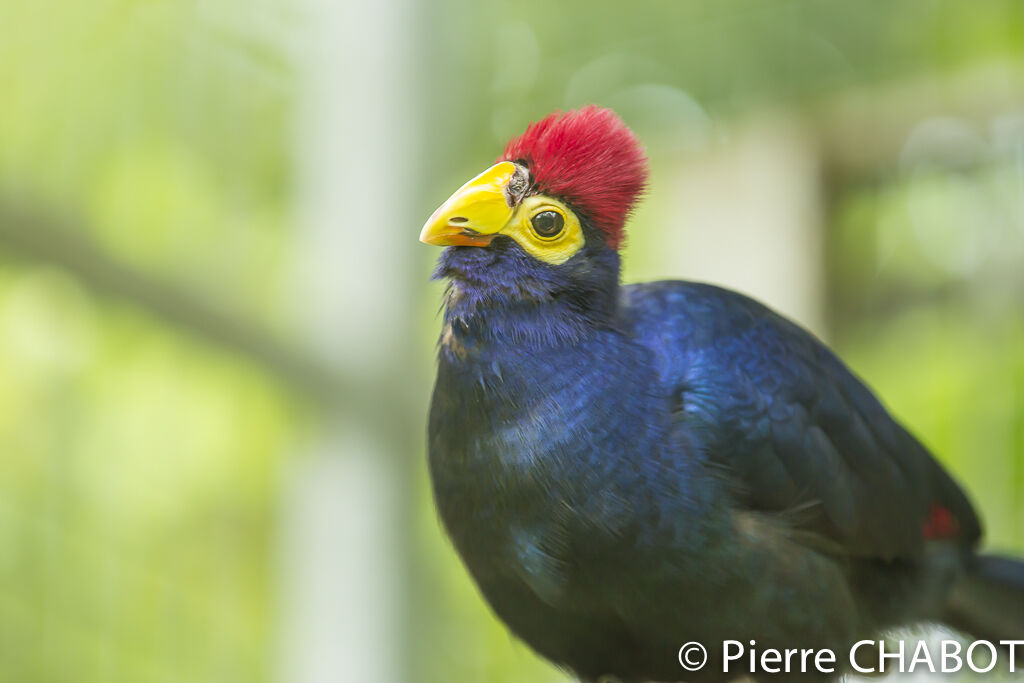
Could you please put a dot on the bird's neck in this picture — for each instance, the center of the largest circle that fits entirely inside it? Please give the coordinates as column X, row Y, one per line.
column 531, row 352
column 477, row 319
column 502, row 296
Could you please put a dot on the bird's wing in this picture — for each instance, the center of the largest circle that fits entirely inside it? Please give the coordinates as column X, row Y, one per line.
column 791, row 426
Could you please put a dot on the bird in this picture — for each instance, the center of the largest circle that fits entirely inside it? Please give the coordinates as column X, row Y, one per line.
column 626, row 468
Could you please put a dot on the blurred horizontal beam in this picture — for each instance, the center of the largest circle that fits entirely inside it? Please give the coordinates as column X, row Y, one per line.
column 31, row 234
column 864, row 129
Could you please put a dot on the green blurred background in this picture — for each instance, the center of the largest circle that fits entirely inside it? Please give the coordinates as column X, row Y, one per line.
column 216, row 325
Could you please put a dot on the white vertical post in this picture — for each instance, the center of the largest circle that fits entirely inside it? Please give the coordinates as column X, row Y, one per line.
column 750, row 218
column 340, row 557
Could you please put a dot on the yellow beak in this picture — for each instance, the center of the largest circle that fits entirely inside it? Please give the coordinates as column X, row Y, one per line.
column 475, row 213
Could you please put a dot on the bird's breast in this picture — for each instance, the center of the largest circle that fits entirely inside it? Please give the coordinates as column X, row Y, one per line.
column 536, row 457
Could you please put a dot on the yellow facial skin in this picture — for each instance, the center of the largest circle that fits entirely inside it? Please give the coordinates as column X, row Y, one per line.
column 479, row 210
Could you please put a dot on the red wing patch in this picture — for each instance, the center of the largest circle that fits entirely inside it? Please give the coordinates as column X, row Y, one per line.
column 940, row 523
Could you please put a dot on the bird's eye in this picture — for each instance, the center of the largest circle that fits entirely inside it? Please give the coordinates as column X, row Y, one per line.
column 548, row 223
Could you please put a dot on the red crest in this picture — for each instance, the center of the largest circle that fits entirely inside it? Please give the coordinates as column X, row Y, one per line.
column 589, row 159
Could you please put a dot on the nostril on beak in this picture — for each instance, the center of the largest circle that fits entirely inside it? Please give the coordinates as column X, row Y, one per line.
column 458, row 220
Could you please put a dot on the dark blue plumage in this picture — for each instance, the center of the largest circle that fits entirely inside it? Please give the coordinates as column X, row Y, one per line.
column 625, row 469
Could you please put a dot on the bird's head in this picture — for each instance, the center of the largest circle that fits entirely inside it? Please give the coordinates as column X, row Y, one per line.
column 546, row 221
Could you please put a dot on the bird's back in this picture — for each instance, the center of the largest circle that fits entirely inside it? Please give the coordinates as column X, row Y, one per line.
column 791, row 425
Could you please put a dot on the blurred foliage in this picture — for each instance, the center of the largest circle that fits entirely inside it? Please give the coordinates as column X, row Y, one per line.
column 928, row 290
column 666, row 65
column 138, row 468
column 162, row 128
column 141, row 469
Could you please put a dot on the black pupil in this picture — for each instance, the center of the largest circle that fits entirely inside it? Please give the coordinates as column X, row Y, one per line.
column 548, row 223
